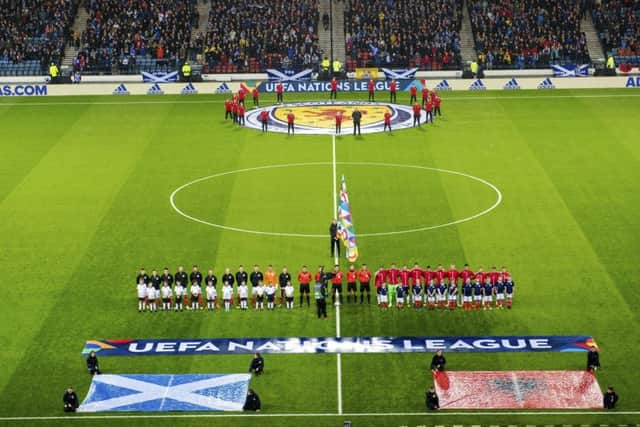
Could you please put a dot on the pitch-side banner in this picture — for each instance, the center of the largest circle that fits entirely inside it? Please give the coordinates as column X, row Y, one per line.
column 343, row 86
column 297, row 345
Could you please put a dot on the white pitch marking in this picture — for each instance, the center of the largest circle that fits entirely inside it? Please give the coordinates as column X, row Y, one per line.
column 286, row 165
column 339, row 355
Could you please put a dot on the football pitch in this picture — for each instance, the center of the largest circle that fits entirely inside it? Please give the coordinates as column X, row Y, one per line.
column 85, row 202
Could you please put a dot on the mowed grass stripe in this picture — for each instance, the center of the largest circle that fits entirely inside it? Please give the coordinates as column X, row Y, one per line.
column 72, row 188
column 27, row 135
column 590, row 296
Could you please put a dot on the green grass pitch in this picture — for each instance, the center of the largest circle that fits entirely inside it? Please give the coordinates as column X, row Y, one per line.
column 84, row 202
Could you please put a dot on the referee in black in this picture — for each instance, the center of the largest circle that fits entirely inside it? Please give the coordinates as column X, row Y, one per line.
column 335, row 240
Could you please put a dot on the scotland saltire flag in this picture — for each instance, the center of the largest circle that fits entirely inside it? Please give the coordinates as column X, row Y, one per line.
column 160, row 77
column 289, row 75
column 390, row 74
column 570, row 70
column 134, row 392
column 345, row 224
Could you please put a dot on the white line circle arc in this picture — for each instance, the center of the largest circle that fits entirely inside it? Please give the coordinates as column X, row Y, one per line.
column 378, row 164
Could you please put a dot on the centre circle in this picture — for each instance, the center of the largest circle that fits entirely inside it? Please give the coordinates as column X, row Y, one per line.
column 418, row 228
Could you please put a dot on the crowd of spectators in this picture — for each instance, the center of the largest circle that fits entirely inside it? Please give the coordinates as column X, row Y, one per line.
column 403, row 33
column 120, row 31
column 35, row 30
column 528, row 33
column 250, row 35
column 618, row 22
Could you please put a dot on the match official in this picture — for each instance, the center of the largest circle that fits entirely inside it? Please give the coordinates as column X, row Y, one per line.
column 335, row 239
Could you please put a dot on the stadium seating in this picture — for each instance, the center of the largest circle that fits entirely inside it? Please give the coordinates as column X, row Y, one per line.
column 251, row 35
column 403, row 33
column 32, row 34
column 129, row 37
column 528, row 33
column 618, row 24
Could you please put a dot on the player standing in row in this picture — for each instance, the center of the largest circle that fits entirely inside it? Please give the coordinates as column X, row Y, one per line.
column 379, row 280
column 334, row 89
column 256, row 277
column 371, row 87
column 288, row 293
column 364, row 276
column 428, row 106
column 264, row 120
column 211, row 295
column 241, row 278
column 304, row 278
column 279, row 92
column 387, row 121
column 227, row 109
column 291, row 118
column 283, row 279
column 256, row 97
column 417, row 113
column 336, row 284
column 393, row 87
column 413, row 92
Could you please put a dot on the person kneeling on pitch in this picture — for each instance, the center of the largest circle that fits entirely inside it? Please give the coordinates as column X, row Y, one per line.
column 70, row 400
column 438, row 361
column 92, row 364
column 431, row 400
column 593, row 360
column 252, row 403
column 257, row 364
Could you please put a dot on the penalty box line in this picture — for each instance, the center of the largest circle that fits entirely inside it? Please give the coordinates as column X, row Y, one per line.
column 306, row 415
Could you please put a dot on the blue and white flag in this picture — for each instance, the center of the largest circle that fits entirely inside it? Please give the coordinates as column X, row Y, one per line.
column 289, row 75
column 160, row 77
column 570, row 70
column 390, row 74
column 135, row 392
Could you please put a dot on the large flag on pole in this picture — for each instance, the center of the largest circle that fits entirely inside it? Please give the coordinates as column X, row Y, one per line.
column 345, row 224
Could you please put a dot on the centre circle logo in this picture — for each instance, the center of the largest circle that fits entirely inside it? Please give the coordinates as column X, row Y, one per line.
column 319, row 117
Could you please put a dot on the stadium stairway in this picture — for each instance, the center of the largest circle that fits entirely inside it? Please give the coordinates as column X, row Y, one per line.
column 79, row 25
column 203, row 7
column 467, row 43
column 594, row 44
column 324, row 36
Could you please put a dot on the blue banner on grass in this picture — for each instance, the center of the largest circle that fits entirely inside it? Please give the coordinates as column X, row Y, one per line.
column 134, row 392
column 296, row 345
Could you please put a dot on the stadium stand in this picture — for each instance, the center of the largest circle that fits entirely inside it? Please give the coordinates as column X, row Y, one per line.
column 33, row 34
column 403, row 33
column 528, row 33
column 251, row 35
column 124, row 36
column 618, row 24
